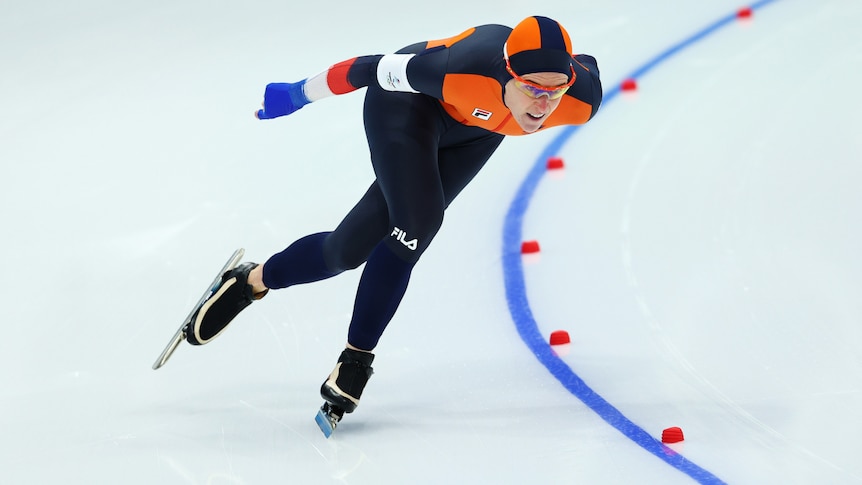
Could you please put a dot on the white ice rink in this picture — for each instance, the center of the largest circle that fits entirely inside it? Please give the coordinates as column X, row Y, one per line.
column 701, row 247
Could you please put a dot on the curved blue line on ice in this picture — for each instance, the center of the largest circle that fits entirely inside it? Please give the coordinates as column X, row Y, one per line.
column 516, row 291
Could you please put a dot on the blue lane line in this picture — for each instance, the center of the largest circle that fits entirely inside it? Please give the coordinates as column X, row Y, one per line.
column 516, row 290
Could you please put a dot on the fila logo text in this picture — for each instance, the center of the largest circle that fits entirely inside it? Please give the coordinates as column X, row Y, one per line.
column 401, row 236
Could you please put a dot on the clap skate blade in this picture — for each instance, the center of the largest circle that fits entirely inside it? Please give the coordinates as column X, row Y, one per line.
column 180, row 334
column 328, row 417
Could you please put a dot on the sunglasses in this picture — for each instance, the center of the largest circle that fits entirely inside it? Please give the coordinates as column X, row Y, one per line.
column 534, row 90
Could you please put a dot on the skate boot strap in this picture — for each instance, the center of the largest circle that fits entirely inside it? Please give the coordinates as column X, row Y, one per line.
column 357, row 357
column 241, row 273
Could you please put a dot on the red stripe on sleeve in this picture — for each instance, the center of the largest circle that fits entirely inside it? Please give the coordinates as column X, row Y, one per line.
column 336, row 77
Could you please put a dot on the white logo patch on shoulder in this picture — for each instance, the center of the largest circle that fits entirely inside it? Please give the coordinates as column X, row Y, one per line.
column 482, row 114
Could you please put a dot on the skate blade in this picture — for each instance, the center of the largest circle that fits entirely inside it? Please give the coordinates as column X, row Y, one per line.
column 327, row 419
column 323, row 422
column 180, row 334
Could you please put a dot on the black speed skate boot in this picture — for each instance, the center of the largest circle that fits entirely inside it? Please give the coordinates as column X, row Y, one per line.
column 344, row 386
column 227, row 300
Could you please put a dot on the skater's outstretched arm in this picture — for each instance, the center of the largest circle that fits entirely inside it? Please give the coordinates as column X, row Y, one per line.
column 389, row 71
column 417, row 68
column 282, row 99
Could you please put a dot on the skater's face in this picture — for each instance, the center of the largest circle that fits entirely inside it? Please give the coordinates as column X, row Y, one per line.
column 530, row 106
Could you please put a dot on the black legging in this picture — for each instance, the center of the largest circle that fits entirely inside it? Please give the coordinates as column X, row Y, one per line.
column 422, row 159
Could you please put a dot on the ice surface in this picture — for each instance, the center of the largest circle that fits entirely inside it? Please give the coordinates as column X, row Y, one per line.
column 700, row 247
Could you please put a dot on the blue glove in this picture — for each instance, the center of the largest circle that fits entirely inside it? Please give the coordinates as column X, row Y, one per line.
column 282, row 99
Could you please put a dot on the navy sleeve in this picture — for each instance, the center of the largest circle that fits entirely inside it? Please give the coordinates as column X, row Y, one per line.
column 426, row 71
column 588, row 85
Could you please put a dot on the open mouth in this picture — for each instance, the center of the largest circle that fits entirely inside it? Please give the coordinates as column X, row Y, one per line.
column 536, row 117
